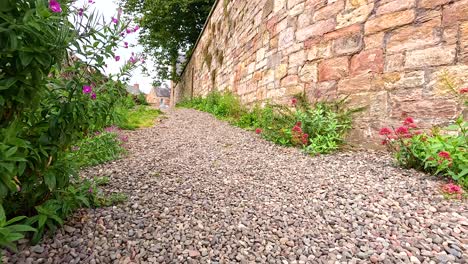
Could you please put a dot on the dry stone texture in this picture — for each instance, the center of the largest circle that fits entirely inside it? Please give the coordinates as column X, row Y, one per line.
column 274, row 48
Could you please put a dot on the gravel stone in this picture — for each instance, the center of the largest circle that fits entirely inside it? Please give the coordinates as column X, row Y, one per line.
column 202, row 191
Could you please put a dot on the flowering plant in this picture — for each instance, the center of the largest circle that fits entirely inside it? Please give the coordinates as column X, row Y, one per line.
column 434, row 152
column 52, row 93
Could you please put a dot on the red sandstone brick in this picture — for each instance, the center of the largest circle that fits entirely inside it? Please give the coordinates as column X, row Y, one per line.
column 389, row 21
column 367, row 61
column 333, row 69
column 455, row 12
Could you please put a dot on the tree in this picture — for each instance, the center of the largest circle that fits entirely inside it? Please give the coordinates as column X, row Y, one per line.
column 170, row 29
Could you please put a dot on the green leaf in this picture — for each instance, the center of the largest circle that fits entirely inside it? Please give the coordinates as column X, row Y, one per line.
column 50, row 180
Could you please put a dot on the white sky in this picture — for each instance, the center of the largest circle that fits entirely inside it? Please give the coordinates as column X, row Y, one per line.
column 108, row 8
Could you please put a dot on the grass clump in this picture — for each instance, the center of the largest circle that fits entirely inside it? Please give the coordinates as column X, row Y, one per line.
column 139, row 117
column 317, row 128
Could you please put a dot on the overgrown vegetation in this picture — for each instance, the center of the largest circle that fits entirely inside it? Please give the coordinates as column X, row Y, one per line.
column 138, row 117
column 436, row 152
column 53, row 98
column 317, row 128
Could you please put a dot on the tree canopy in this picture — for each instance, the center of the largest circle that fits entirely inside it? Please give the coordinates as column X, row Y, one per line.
column 170, row 29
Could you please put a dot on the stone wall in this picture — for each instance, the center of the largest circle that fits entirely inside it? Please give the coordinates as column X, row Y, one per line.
column 387, row 55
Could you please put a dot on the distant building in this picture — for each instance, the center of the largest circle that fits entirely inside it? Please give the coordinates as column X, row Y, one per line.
column 159, row 96
column 135, row 89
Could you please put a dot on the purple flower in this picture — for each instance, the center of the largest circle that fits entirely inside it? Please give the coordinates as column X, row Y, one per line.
column 55, row 6
column 90, row 190
column 122, row 34
column 87, row 89
column 133, row 60
column 80, row 12
column 126, row 45
column 136, row 29
column 115, row 20
column 128, row 31
column 93, row 96
column 117, row 58
column 91, row 1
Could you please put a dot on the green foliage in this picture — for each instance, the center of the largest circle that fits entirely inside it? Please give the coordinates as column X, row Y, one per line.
column 138, row 117
column 141, row 99
column 96, row 150
column 10, row 231
column 434, row 153
column 318, row 128
column 169, row 27
column 46, row 61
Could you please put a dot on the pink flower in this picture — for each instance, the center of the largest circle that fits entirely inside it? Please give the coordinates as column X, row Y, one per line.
column 117, row 58
column 385, row 131
column 294, row 101
column 297, row 128
column 464, row 90
column 87, row 89
column 408, row 121
column 128, row 31
column 115, row 20
column 93, row 96
column 444, row 155
column 258, row 130
column 402, row 130
column 451, row 188
column 133, row 60
column 55, row 6
column 136, row 29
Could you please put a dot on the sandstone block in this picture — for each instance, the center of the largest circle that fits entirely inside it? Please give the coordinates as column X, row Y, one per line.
column 329, row 11
column 394, row 62
column 374, row 41
column 432, row 3
column 281, row 71
column 394, row 6
column 358, row 84
column 357, row 15
column 457, row 74
column 404, row 80
column 412, row 37
column 290, row 80
column 367, row 61
column 347, row 45
column 333, row 69
column 286, row 37
column 321, row 91
column 389, row 21
column 420, row 107
column 309, row 72
column 463, row 56
column 317, row 29
column 434, row 56
column 455, row 13
column 342, row 32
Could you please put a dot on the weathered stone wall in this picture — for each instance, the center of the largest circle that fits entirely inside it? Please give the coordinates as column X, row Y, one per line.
column 387, row 55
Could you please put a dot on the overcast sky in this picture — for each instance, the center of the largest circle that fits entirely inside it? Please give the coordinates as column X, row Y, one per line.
column 108, row 8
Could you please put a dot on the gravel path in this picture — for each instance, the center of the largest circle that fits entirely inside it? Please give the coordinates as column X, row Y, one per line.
column 201, row 191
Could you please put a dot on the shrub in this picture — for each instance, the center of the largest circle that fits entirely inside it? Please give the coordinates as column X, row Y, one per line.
column 435, row 153
column 318, row 127
column 52, row 94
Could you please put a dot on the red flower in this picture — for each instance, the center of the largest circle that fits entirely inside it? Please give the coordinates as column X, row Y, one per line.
column 385, row 131
column 451, row 188
column 444, row 155
column 408, row 121
column 294, row 101
column 384, row 142
column 299, row 123
column 464, row 90
column 402, row 130
column 258, row 130
column 297, row 128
